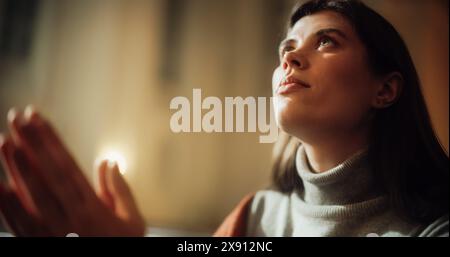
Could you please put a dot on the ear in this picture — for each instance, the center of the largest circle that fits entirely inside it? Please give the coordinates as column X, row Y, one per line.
column 388, row 91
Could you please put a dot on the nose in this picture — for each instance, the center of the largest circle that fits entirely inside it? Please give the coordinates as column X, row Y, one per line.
column 293, row 60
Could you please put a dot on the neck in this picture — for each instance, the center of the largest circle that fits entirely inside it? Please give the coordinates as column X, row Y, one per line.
column 328, row 153
column 349, row 182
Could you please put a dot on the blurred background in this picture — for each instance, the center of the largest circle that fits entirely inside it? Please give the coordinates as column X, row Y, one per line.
column 104, row 72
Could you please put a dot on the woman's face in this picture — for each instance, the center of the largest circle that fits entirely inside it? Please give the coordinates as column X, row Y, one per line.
column 323, row 85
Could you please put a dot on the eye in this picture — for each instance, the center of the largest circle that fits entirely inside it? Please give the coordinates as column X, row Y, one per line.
column 326, row 42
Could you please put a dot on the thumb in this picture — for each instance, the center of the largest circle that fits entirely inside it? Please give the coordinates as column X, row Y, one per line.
column 102, row 190
column 125, row 205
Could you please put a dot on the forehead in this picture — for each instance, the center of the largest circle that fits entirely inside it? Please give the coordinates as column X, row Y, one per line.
column 310, row 24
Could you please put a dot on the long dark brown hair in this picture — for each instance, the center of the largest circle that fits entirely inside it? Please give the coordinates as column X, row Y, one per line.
column 406, row 157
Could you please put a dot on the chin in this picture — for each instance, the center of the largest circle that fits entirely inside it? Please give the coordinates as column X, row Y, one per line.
column 297, row 124
column 288, row 122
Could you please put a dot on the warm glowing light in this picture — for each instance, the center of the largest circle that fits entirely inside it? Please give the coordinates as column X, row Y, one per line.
column 112, row 156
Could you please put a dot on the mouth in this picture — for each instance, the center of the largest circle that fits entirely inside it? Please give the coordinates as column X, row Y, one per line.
column 290, row 84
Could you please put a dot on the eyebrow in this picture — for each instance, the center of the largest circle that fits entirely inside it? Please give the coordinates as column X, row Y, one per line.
column 329, row 31
column 319, row 33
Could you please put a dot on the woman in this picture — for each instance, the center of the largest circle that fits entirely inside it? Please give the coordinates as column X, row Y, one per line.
column 357, row 157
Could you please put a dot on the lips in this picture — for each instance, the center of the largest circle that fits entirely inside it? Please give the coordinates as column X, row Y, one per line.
column 291, row 84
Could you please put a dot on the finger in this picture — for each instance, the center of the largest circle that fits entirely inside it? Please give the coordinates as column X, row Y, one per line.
column 48, row 207
column 103, row 191
column 126, row 207
column 45, row 159
column 26, row 167
column 56, row 147
column 53, row 144
column 125, row 204
column 32, row 193
column 15, row 216
column 14, row 178
column 27, row 138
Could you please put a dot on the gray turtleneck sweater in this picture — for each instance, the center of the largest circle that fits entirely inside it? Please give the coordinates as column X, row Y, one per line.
column 343, row 201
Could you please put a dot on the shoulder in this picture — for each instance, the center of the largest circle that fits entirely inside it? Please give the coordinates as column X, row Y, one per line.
column 249, row 212
column 268, row 198
column 235, row 223
column 438, row 228
column 268, row 213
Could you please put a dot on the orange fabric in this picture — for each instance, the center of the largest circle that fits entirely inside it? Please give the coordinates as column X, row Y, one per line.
column 236, row 222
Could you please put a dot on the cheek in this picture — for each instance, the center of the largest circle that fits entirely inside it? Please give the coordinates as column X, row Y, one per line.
column 344, row 90
column 340, row 71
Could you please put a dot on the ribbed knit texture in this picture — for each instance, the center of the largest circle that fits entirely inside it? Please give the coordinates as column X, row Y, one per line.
column 342, row 201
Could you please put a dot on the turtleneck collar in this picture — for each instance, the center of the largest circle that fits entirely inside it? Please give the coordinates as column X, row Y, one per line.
column 349, row 182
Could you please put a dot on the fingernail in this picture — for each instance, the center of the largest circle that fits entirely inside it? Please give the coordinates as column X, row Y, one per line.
column 115, row 168
column 99, row 163
column 12, row 113
column 111, row 164
column 29, row 112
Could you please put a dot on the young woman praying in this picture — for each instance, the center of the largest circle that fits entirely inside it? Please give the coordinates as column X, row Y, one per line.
column 356, row 156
